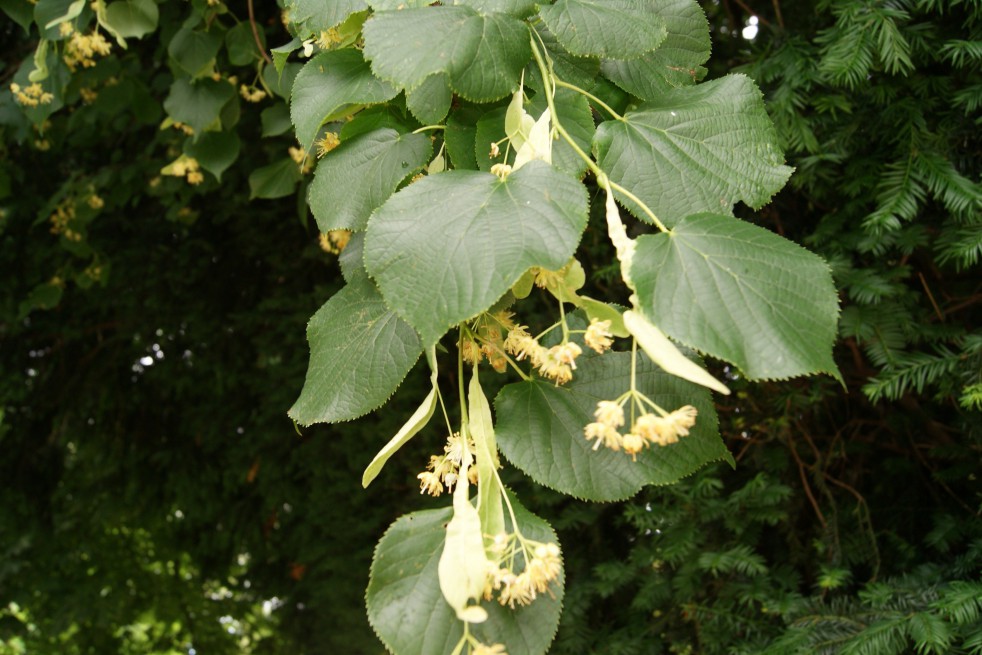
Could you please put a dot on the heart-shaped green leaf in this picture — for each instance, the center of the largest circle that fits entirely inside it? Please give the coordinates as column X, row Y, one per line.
column 319, row 15
column 586, row 27
column 676, row 62
column 447, row 247
column 407, row 609
column 704, row 148
column 329, row 86
column 740, row 293
column 519, row 8
column 214, row 151
column 274, row 180
column 359, row 175
column 132, row 18
column 194, row 51
column 483, row 54
column 197, row 104
column 430, row 101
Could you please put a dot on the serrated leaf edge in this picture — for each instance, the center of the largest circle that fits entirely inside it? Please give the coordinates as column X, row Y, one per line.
column 381, row 404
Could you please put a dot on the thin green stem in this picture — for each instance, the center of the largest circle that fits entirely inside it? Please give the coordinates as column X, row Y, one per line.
column 658, row 408
column 504, row 496
column 634, row 376
column 459, row 648
column 562, row 321
column 548, row 82
column 548, row 330
column 633, row 198
column 582, row 92
column 464, row 419
column 508, row 358
column 446, row 417
column 429, row 127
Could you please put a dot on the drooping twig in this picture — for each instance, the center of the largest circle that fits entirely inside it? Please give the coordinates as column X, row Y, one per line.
column 777, row 13
column 804, row 482
column 255, row 33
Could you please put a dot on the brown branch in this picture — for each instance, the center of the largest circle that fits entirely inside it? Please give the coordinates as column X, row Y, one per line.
column 927, row 290
column 746, row 447
column 971, row 300
column 255, row 33
column 777, row 13
column 760, row 19
column 804, row 482
column 934, row 477
column 865, row 516
column 729, row 15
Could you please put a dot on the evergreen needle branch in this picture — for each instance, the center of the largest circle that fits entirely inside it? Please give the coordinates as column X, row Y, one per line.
column 587, row 94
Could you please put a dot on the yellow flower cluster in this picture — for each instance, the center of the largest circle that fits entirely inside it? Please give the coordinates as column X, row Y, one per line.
column 334, row 241
column 62, row 219
column 82, row 49
column 501, row 170
column 598, row 336
column 31, row 96
column 493, row 649
column 556, row 363
column 251, row 93
column 648, row 429
column 544, row 566
column 327, row 143
column 444, row 469
column 489, row 343
column 187, row 129
column 88, row 95
column 327, row 38
column 94, row 272
column 186, row 167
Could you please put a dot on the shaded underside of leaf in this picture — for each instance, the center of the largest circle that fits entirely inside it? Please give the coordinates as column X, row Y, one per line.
column 360, row 351
column 540, row 430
